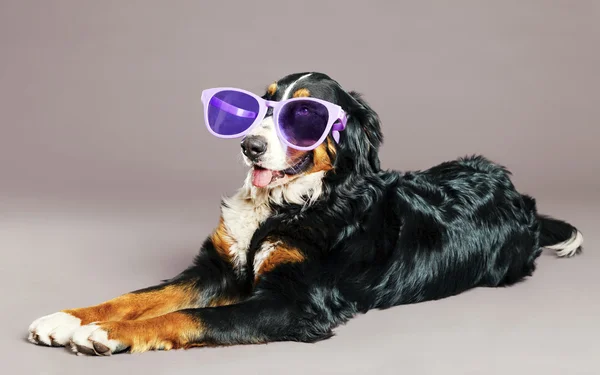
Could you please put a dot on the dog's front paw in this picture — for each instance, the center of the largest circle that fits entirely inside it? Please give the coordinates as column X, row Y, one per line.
column 54, row 329
column 92, row 339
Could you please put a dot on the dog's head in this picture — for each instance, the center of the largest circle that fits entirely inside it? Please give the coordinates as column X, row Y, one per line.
column 274, row 165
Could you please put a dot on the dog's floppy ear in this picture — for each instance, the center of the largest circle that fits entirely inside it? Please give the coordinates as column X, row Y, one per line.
column 360, row 141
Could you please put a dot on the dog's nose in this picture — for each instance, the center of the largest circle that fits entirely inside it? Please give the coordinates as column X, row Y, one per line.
column 254, row 146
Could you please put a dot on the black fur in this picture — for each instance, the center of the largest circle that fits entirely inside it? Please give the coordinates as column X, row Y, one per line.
column 374, row 239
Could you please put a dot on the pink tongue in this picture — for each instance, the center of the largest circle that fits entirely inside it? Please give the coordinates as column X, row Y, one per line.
column 261, row 177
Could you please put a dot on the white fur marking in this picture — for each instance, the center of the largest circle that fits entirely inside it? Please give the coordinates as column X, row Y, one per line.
column 288, row 90
column 569, row 247
column 275, row 157
column 87, row 335
column 241, row 217
column 60, row 326
column 261, row 255
column 250, row 206
column 81, row 336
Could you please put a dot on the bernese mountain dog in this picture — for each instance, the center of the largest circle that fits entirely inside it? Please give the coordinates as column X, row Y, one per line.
column 314, row 238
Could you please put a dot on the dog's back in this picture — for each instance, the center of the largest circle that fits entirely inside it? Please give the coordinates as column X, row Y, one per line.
column 462, row 225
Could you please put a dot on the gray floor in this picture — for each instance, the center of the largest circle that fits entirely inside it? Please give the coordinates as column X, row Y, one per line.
column 85, row 254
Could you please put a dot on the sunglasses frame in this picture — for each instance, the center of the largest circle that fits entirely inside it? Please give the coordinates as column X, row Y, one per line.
column 336, row 122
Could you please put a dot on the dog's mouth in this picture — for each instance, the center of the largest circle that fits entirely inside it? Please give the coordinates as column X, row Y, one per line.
column 263, row 177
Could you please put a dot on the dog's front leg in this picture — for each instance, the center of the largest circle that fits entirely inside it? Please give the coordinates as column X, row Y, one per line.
column 253, row 321
column 284, row 306
column 211, row 281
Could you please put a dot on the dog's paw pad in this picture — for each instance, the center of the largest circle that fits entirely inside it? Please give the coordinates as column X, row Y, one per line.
column 54, row 329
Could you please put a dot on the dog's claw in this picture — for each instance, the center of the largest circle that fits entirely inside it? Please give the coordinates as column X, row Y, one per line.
column 101, row 349
column 85, row 350
column 53, row 341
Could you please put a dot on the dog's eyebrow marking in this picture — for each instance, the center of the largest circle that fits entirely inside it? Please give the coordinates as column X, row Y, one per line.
column 301, row 93
column 286, row 93
column 272, row 88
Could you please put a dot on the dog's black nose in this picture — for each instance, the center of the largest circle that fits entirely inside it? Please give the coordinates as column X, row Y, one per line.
column 254, row 146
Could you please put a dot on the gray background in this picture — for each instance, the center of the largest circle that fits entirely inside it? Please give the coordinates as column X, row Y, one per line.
column 109, row 181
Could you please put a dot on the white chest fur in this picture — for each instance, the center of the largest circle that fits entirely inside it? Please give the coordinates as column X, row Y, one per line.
column 241, row 218
column 249, row 207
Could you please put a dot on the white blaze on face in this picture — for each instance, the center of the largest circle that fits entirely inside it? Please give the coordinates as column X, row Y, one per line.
column 275, row 158
column 288, row 91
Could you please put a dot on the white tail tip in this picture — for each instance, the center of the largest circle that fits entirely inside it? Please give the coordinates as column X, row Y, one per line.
column 569, row 247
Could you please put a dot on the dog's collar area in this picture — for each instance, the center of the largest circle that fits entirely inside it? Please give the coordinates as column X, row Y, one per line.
column 262, row 177
column 300, row 166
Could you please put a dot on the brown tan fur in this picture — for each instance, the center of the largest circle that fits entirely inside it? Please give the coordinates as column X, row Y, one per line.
column 294, row 155
column 301, row 93
column 171, row 331
column 143, row 305
column 281, row 255
column 222, row 241
column 223, row 301
column 322, row 157
column 272, row 89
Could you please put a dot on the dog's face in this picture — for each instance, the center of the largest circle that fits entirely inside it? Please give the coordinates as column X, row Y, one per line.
column 274, row 164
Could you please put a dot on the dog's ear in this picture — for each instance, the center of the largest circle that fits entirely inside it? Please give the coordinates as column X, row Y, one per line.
column 360, row 141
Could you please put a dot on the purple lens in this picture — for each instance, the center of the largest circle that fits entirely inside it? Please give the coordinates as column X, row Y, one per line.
column 303, row 122
column 231, row 112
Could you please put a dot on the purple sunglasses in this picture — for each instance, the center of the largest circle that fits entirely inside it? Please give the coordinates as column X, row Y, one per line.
column 301, row 123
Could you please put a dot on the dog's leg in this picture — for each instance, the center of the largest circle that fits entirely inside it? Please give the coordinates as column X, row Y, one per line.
column 211, row 281
column 265, row 317
column 56, row 329
column 280, row 309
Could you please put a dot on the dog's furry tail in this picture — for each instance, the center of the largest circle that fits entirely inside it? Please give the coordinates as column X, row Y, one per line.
column 560, row 236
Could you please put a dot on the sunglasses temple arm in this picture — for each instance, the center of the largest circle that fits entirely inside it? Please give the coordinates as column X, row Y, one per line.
column 338, row 126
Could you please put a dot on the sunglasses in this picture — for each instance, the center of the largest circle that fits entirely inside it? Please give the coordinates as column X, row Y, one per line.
column 301, row 123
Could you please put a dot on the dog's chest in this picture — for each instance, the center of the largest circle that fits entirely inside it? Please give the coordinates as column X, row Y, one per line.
column 241, row 218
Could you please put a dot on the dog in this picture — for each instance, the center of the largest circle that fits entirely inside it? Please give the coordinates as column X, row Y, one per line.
column 314, row 238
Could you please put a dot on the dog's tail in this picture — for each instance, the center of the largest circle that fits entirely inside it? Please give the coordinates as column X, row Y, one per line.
column 560, row 236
